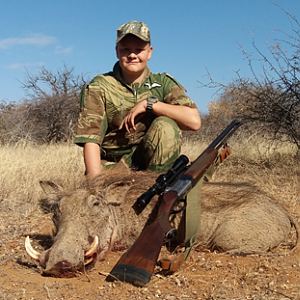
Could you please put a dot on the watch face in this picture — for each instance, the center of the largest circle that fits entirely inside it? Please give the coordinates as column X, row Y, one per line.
column 152, row 98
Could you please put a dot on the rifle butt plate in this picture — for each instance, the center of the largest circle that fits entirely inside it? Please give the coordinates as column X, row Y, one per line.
column 129, row 274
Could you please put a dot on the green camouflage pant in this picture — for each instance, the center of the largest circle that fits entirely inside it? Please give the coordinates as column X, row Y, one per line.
column 155, row 145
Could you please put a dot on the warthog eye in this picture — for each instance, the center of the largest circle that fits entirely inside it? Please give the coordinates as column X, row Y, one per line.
column 92, row 201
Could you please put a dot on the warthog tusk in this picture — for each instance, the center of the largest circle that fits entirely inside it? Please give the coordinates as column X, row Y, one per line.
column 88, row 261
column 92, row 249
column 32, row 253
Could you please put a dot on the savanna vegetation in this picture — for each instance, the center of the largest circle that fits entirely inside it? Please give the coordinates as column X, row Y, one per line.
column 206, row 275
column 268, row 103
column 36, row 144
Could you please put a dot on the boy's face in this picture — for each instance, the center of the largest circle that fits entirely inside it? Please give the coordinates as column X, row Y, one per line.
column 133, row 54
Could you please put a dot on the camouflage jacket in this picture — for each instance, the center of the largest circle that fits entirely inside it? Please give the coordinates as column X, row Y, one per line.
column 106, row 100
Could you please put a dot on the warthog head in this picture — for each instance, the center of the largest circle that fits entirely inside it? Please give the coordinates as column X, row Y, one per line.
column 86, row 226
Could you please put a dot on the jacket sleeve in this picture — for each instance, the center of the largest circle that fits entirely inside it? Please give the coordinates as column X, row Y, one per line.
column 175, row 93
column 92, row 122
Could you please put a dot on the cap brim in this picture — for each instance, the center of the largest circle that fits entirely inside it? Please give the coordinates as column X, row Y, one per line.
column 137, row 35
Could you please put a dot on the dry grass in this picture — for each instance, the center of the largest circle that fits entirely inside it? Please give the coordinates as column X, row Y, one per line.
column 22, row 168
column 205, row 275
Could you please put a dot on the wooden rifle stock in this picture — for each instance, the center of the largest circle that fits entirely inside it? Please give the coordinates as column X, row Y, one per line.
column 136, row 266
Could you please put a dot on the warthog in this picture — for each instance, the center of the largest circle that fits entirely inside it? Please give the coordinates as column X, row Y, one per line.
column 98, row 216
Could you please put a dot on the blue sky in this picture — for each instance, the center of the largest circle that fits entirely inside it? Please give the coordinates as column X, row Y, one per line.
column 188, row 37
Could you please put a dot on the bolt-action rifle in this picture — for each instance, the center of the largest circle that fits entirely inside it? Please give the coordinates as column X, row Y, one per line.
column 136, row 266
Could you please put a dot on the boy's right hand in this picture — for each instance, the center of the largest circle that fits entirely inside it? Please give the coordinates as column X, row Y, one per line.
column 134, row 115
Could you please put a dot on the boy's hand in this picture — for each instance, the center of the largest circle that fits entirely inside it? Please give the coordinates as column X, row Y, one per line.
column 136, row 113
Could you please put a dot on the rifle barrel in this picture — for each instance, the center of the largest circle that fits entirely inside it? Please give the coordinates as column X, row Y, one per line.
column 225, row 134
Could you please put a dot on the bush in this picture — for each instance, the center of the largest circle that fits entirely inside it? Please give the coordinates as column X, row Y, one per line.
column 49, row 112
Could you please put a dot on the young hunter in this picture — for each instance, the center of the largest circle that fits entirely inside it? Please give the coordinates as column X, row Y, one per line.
column 135, row 117
column 131, row 113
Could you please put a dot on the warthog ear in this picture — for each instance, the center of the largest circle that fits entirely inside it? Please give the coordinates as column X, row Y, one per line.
column 49, row 204
column 116, row 192
column 49, row 187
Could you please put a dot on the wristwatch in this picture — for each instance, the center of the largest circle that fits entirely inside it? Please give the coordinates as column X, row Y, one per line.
column 150, row 101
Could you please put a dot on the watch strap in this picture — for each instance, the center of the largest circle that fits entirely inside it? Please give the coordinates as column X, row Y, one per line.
column 150, row 101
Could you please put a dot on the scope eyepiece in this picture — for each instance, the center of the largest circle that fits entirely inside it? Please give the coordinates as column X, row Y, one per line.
column 180, row 162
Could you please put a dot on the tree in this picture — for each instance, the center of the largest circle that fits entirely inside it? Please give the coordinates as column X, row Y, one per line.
column 273, row 99
column 49, row 111
column 52, row 103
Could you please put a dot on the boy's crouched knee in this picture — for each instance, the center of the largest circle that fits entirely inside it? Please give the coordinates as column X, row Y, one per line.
column 162, row 141
column 167, row 128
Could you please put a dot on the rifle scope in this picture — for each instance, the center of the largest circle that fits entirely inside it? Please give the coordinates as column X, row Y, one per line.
column 163, row 180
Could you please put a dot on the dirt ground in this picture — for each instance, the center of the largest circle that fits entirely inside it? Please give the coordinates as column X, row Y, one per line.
column 204, row 276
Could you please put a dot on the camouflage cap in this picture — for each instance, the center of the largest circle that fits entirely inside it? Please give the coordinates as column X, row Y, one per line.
column 136, row 28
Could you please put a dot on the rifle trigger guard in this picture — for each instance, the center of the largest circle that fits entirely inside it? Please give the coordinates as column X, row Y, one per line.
column 171, row 234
